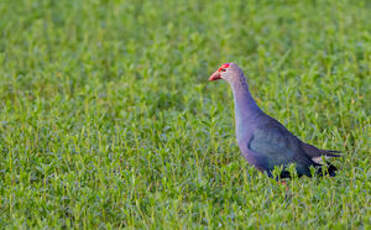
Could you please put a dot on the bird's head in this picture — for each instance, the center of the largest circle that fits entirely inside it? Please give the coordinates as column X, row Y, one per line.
column 228, row 71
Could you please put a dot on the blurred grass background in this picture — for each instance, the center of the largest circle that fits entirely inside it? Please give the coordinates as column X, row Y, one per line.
column 107, row 119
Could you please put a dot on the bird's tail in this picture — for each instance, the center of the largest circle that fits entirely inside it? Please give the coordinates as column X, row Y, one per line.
column 313, row 151
column 330, row 153
column 324, row 167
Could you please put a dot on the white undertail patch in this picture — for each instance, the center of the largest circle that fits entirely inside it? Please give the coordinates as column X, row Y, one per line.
column 319, row 160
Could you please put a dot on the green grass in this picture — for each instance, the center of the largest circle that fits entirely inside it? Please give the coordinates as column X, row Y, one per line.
column 107, row 119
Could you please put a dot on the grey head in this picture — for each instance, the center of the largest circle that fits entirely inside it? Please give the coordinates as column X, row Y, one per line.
column 229, row 72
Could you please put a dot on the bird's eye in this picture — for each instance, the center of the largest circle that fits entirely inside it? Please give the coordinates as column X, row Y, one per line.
column 223, row 70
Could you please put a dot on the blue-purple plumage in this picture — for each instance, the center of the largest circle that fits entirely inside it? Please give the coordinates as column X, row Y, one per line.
column 264, row 141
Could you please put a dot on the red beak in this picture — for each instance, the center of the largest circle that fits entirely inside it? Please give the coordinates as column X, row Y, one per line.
column 215, row 76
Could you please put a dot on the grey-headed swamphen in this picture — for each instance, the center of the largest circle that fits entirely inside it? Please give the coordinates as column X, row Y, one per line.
column 264, row 141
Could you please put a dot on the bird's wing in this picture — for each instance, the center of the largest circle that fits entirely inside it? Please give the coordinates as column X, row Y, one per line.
column 277, row 146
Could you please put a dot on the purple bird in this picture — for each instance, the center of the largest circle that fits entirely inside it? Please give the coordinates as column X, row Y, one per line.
column 263, row 141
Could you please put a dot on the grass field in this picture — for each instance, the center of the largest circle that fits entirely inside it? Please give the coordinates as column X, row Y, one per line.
column 107, row 119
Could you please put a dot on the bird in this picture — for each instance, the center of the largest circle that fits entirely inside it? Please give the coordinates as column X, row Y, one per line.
column 263, row 141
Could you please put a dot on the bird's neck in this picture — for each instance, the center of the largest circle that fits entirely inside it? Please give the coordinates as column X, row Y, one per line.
column 246, row 109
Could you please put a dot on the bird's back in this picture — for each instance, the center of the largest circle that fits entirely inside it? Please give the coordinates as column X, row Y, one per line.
column 271, row 144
